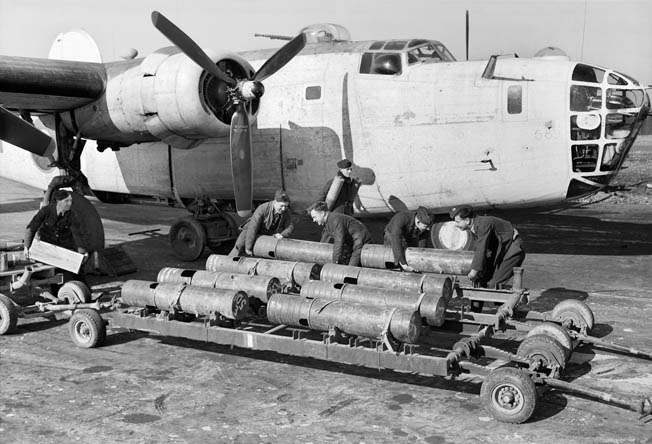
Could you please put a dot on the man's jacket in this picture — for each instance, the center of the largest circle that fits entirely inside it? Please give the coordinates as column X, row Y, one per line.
column 263, row 222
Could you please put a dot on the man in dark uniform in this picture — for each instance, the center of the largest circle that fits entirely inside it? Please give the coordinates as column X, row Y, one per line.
column 270, row 218
column 57, row 225
column 344, row 231
column 348, row 191
column 407, row 229
column 498, row 246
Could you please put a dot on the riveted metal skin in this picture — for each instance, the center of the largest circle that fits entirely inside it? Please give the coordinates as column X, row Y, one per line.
column 431, row 260
column 200, row 301
column 377, row 256
column 351, row 318
column 430, row 306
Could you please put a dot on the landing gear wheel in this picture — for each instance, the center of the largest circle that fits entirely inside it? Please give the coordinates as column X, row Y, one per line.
column 447, row 236
column 543, row 348
column 509, row 395
column 187, row 238
column 74, row 292
column 557, row 332
column 574, row 315
column 8, row 315
column 87, row 329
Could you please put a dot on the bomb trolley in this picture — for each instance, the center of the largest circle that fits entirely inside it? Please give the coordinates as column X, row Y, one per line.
column 508, row 392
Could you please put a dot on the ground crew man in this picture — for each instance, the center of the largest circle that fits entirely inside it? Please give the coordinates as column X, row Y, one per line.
column 346, row 233
column 407, row 229
column 271, row 218
column 56, row 224
column 498, row 247
column 340, row 192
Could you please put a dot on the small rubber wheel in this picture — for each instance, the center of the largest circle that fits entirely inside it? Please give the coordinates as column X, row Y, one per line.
column 8, row 315
column 555, row 331
column 87, row 329
column 447, row 236
column 74, row 292
column 187, row 238
column 574, row 315
column 545, row 348
column 509, row 394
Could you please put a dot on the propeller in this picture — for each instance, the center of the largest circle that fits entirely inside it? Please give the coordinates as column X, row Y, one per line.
column 240, row 92
column 16, row 131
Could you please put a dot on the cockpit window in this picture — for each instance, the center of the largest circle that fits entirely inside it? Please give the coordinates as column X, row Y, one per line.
column 377, row 45
column 395, row 45
column 619, row 126
column 624, row 98
column 586, row 73
column 383, row 63
column 615, row 79
column 585, row 98
column 430, row 52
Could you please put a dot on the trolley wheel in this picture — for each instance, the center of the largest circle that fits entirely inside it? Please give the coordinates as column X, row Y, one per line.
column 8, row 315
column 447, row 236
column 509, row 394
column 574, row 315
column 187, row 238
column 74, row 292
column 557, row 332
column 87, row 328
column 545, row 348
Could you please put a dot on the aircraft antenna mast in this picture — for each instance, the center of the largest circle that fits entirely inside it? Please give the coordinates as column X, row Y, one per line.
column 467, row 35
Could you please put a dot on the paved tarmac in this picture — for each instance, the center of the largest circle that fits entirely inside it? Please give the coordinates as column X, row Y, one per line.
column 144, row 388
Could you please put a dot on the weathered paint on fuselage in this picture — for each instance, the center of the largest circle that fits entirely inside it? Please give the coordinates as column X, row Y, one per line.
column 437, row 134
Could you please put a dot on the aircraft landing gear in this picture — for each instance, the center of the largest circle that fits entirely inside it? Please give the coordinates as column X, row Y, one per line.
column 207, row 227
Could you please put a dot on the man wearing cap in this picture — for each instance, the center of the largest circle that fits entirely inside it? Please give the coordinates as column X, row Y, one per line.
column 346, row 233
column 341, row 201
column 270, row 218
column 56, row 224
column 498, row 246
column 407, row 229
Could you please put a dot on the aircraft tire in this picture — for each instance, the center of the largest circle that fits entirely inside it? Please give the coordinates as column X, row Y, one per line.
column 447, row 236
column 187, row 238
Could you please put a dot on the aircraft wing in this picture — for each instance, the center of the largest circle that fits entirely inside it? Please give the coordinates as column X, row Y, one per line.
column 46, row 85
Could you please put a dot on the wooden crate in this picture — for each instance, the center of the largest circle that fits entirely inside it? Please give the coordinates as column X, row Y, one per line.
column 57, row 256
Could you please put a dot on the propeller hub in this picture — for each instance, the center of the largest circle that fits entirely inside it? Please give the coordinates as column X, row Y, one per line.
column 252, row 90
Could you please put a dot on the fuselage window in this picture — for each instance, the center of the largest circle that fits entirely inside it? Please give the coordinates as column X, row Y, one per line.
column 585, row 127
column 515, row 99
column 611, row 155
column 585, row 158
column 624, row 98
column 619, row 126
column 380, row 63
column 313, row 93
column 585, row 98
column 586, row 73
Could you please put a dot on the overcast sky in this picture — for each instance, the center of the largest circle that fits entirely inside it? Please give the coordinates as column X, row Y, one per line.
column 611, row 33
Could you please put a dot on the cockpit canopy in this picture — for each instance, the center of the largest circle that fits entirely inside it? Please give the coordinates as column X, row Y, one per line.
column 386, row 57
column 326, row 32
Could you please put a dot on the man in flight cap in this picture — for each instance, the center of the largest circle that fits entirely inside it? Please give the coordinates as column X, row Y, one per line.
column 407, row 229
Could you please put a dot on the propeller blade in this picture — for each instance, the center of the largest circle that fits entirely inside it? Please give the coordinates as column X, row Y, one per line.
column 188, row 46
column 16, row 131
column 241, row 161
column 281, row 57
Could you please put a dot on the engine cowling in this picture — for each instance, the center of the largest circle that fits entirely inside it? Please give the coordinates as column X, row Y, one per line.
column 165, row 96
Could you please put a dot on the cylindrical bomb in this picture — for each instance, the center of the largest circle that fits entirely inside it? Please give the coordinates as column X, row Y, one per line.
column 304, row 251
column 195, row 300
column 431, row 306
column 138, row 293
column 265, row 246
column 260, row 287
column 268, row 267
column 372, row 277
column 305, row 272
column 339, row 273
column 219, row 262
column 432, row 260
column 377, row 256
column 351, row 318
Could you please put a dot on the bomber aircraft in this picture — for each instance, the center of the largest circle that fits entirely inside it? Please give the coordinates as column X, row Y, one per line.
column 420, row 127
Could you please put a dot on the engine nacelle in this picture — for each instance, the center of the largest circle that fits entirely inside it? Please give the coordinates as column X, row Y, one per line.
column 165, row 96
